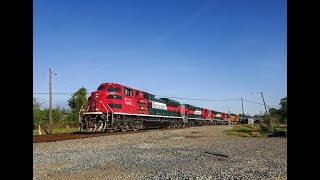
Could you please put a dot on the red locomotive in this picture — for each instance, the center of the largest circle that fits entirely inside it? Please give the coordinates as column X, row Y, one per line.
column 114, row 107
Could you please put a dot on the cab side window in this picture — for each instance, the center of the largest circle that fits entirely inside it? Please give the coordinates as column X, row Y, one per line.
column 128, row 92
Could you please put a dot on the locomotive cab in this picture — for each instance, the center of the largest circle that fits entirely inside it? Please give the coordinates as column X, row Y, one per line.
column 107, row 97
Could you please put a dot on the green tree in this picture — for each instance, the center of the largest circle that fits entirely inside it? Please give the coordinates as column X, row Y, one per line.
column 36, row 111
column 283, row 110
column 281, row 113
column 274, row 112
column 58, row 114
column 275, row 116
column 75, row 103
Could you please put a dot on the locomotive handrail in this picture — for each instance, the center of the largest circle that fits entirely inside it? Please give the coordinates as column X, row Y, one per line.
column 108, row 111
column 104, row 107
column 111, row 114
column 80, row 112
column 105, row 124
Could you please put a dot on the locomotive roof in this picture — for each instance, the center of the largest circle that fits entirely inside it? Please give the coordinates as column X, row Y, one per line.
column 192, row 107
column 170, row 101
column 111, row 83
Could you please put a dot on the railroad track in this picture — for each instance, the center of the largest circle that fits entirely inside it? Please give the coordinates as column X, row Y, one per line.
column 79, row 135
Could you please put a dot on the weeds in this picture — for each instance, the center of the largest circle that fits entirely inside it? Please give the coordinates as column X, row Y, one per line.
column 269, row 126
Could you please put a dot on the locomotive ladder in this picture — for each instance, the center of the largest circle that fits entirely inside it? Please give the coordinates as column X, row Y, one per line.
column 108, row 114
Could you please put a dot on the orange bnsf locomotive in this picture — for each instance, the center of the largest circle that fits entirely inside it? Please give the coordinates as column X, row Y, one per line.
column 114, row 107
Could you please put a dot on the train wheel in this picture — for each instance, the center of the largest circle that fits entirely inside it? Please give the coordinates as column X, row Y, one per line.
column 100, row 127
column 134, row 128
column 176, row 125
column 95, row 127
column 141, row 125
column 172, row 125
column 124, row 128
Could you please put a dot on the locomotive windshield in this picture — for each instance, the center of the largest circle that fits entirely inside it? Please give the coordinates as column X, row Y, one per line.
column 101, row 87
column 111, row 89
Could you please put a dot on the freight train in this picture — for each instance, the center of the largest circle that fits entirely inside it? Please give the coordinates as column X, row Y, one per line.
column 115, row 107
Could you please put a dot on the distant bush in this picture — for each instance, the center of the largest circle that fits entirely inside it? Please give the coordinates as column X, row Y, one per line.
column 268, row 126
column 245, row 130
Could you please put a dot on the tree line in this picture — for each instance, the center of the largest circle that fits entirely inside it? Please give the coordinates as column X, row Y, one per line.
column 281, row 113
column 60, row 116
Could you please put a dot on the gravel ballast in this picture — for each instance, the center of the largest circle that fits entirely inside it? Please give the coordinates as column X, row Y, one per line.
column 204, row 152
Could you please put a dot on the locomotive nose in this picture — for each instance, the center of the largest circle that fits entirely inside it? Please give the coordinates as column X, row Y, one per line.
column 94, row 101
column 98, row 98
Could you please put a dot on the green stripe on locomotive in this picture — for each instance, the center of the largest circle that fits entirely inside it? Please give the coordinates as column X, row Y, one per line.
column 153, row 111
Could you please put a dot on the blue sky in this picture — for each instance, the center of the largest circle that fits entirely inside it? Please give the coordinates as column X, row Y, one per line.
column 209, row 49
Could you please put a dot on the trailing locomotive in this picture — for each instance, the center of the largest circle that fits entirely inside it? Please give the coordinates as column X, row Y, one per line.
column 114, row 107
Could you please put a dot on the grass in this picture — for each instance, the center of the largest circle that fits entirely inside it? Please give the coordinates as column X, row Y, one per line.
column 57, row 130
column 245, row 130
column 255, row 130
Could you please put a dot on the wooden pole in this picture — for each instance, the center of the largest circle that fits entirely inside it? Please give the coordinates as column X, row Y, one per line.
column 50, row 110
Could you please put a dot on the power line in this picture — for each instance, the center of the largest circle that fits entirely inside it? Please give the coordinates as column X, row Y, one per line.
column 275, row 99
column 259, row 103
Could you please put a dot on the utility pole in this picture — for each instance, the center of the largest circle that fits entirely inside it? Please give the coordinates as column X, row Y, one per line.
column 242, row 107
column 265, row 107
column 243, row 115
column 229, row 117
column 50, row 110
